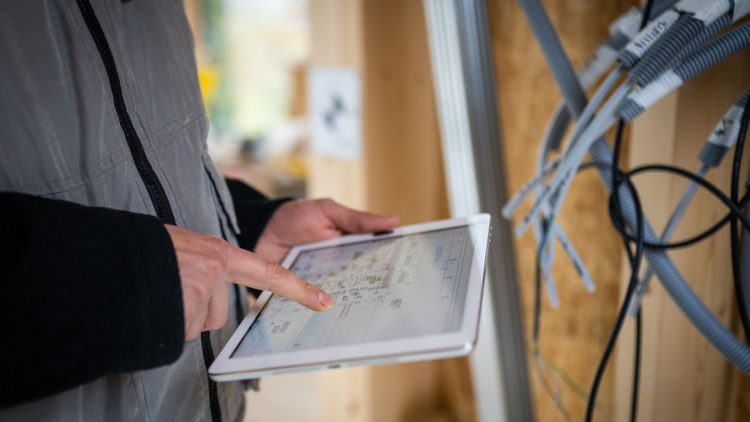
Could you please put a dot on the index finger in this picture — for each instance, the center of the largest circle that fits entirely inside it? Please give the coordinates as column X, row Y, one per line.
column 251, row 270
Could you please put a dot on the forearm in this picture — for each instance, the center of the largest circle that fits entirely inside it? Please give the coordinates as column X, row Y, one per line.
column 87, row 292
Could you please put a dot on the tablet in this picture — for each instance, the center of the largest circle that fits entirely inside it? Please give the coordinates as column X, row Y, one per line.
column 410, row 294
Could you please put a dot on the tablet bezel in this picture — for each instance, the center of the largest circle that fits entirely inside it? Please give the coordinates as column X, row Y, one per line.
column 226, row 367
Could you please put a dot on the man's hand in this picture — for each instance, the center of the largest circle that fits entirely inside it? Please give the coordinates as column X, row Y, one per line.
column 207, row 264
column 298, row 222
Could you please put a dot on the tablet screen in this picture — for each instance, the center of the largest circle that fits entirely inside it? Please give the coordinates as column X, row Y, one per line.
column 384, row 289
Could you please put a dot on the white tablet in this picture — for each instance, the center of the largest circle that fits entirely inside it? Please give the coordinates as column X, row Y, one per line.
column 406, row 295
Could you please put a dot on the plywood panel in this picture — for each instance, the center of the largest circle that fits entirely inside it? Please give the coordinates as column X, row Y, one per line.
column 573, row 336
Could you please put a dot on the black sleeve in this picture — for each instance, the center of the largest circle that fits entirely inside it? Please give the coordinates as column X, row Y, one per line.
column 253, row 210
column 85, row 292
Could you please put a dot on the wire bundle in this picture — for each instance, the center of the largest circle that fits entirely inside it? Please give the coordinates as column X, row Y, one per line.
column 657, row 56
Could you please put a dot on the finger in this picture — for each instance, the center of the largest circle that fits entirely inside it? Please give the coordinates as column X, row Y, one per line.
column 253, row 271
column 216, row 315
column 195, row 319
column 195, row 297
column 351, row 221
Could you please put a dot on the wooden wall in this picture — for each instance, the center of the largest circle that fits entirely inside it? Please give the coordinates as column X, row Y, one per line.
column 683, row 377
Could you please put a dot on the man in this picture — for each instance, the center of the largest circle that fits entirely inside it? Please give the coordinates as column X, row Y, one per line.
column 117, row 234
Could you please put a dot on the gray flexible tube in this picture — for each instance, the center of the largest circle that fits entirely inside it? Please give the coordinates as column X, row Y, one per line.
column 746, row 262
column 565, row 76
column 735, row 351
column 724, row 46
column 667, row 46
column 556, row 130
column 686, row 36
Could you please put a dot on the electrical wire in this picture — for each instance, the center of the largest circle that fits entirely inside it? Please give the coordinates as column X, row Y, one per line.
column 658, row 59
column 619, row 226
column 627, row 211
column 722, row 138
column 635, row 262
column 549, row 223
column 734, row 208
column 696, row 238
column 676, row 286
column 666, row 235
column 636, row 364
column 707, row 56
column 635, row 259
column 734, row 238
column 560, row 183
column 682, row 243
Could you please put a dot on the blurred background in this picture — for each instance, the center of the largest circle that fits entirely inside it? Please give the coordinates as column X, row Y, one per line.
column 252, row 57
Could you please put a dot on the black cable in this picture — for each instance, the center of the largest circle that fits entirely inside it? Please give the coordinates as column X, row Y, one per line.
column 619, row 225
column 538, row 282
column 636, row 364
column 637, row 256
column 634, row 259
column 638, row 337
column 647, row 13
column 735, row 208
column 634, row 265
column 689, row 241
column 625, row 178
column 734, row 229
column 620, row 179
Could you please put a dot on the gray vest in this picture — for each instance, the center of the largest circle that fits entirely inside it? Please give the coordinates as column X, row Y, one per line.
column 60, row 138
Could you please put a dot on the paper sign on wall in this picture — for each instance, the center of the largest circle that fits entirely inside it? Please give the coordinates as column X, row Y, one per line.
column 335, row 112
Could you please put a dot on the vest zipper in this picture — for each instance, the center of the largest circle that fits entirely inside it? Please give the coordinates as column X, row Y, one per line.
column 155, row 190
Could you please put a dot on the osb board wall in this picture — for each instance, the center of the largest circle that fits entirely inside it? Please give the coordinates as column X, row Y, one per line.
column 574, row 335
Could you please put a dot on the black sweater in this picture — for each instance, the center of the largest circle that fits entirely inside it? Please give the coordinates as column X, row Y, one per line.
column 88, row 292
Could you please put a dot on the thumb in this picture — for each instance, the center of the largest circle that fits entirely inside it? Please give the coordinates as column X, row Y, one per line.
column 350, row 221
